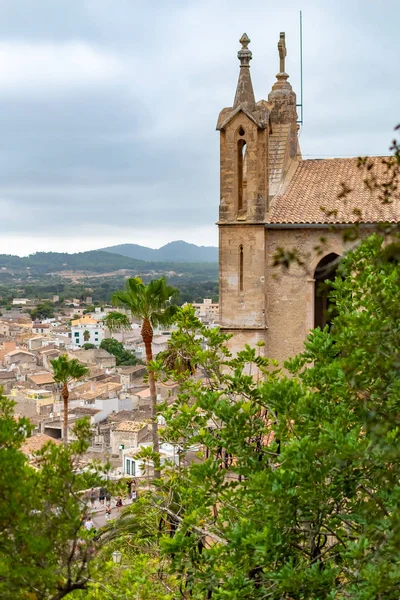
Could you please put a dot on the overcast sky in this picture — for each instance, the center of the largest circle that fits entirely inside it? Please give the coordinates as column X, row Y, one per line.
column 108, row 107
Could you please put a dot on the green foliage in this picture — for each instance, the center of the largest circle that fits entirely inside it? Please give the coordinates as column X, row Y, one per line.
column 88, row 346
column 94, row 261
column 296, row 495
column 124, row 357
column 117, row 321
column 89, row 309
column 44, row 554
column 45, row 310
column 150, row 302
column 193, row 285
column 66, row 369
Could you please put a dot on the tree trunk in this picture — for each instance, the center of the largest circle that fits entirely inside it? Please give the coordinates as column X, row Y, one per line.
column 65, row 396
column 147, row 335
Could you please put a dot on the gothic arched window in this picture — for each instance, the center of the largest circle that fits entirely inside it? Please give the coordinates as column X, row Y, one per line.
column 325, row 273
column 241, row 173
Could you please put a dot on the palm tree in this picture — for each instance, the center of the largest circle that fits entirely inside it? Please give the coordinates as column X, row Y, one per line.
column 64, row 371
column 86, row 335
column 150, row 304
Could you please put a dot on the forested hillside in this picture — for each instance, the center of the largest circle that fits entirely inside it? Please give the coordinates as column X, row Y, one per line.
column 95, row 261
column 97, row 274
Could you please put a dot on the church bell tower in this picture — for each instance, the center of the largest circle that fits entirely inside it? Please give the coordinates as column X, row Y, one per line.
column 244, row 182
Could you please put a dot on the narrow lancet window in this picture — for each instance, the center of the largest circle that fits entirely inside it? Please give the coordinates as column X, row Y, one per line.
column 240, row 268
column 241, row 157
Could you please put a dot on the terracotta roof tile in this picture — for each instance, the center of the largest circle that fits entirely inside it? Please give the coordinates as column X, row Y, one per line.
column 83, row 411
column 317, row 184
column 42, row 378
column 36, row 443
column 126, row 415
column 7, row 375
column 131, row 426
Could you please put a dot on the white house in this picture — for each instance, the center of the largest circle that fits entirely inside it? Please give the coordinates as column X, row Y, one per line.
column 139, row 467
column 86, row 330
column 20, row 301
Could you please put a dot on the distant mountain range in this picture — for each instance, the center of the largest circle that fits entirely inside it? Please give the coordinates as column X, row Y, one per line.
column 178, row 251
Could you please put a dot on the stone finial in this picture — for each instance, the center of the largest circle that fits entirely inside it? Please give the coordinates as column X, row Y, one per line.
column 245, row 41
column 244, row 54
column 244, row 91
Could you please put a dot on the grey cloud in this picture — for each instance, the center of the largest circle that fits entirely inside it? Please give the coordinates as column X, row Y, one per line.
column 140, row 151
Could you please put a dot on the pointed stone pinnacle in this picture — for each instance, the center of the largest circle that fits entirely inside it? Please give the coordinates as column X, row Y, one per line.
column 245, row 41
column 244, row 90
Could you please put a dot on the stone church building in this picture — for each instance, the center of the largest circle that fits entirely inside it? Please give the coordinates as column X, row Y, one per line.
column 271, row 198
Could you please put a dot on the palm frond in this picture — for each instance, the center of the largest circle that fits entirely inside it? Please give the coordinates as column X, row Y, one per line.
column 147, row 301
column 65, row 369
column 116, row 321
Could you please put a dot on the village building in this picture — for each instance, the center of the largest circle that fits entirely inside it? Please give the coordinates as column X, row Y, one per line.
column 86, row 330
column 134, row 466
column 35, row 342
column 271, row 199
column 7, row 380
column 207, row 311
column 21, row 301
column 45, row 355
column 41, row 328
column 43, row 380
column 21, row 359
column 92, row 414
column 6, row 347
column 131, row 377
column 129, row 434
column 14, row 329
column 159, row 344
column 167, row 391
column 97, row 357
column 32, row 402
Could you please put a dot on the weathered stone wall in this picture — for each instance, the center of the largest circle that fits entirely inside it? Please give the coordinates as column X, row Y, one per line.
column 242, row 309
column 290, row 294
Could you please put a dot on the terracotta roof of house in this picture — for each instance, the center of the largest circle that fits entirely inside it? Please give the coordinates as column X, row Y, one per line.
column 130, row 426
column 99, row 390
column 317, row 184
column 36, row 443
column 84, row 411
column 143, row 393
column 41, row 378
column 126, row 415
column 131, row 370
column 50, row 352
column 85, row 320
column 15, row 352
column 7, row 375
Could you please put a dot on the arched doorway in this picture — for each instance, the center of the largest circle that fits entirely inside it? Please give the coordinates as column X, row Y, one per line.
column 325, row 272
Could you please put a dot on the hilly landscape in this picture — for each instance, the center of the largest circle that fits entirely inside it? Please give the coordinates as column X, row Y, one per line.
column 100, row 273
column 178, row 251
column 92, row 262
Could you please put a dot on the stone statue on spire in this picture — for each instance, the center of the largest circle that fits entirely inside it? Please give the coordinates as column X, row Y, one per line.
column 282, row 52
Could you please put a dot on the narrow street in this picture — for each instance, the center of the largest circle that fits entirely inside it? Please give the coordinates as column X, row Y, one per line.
column 99, row 512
